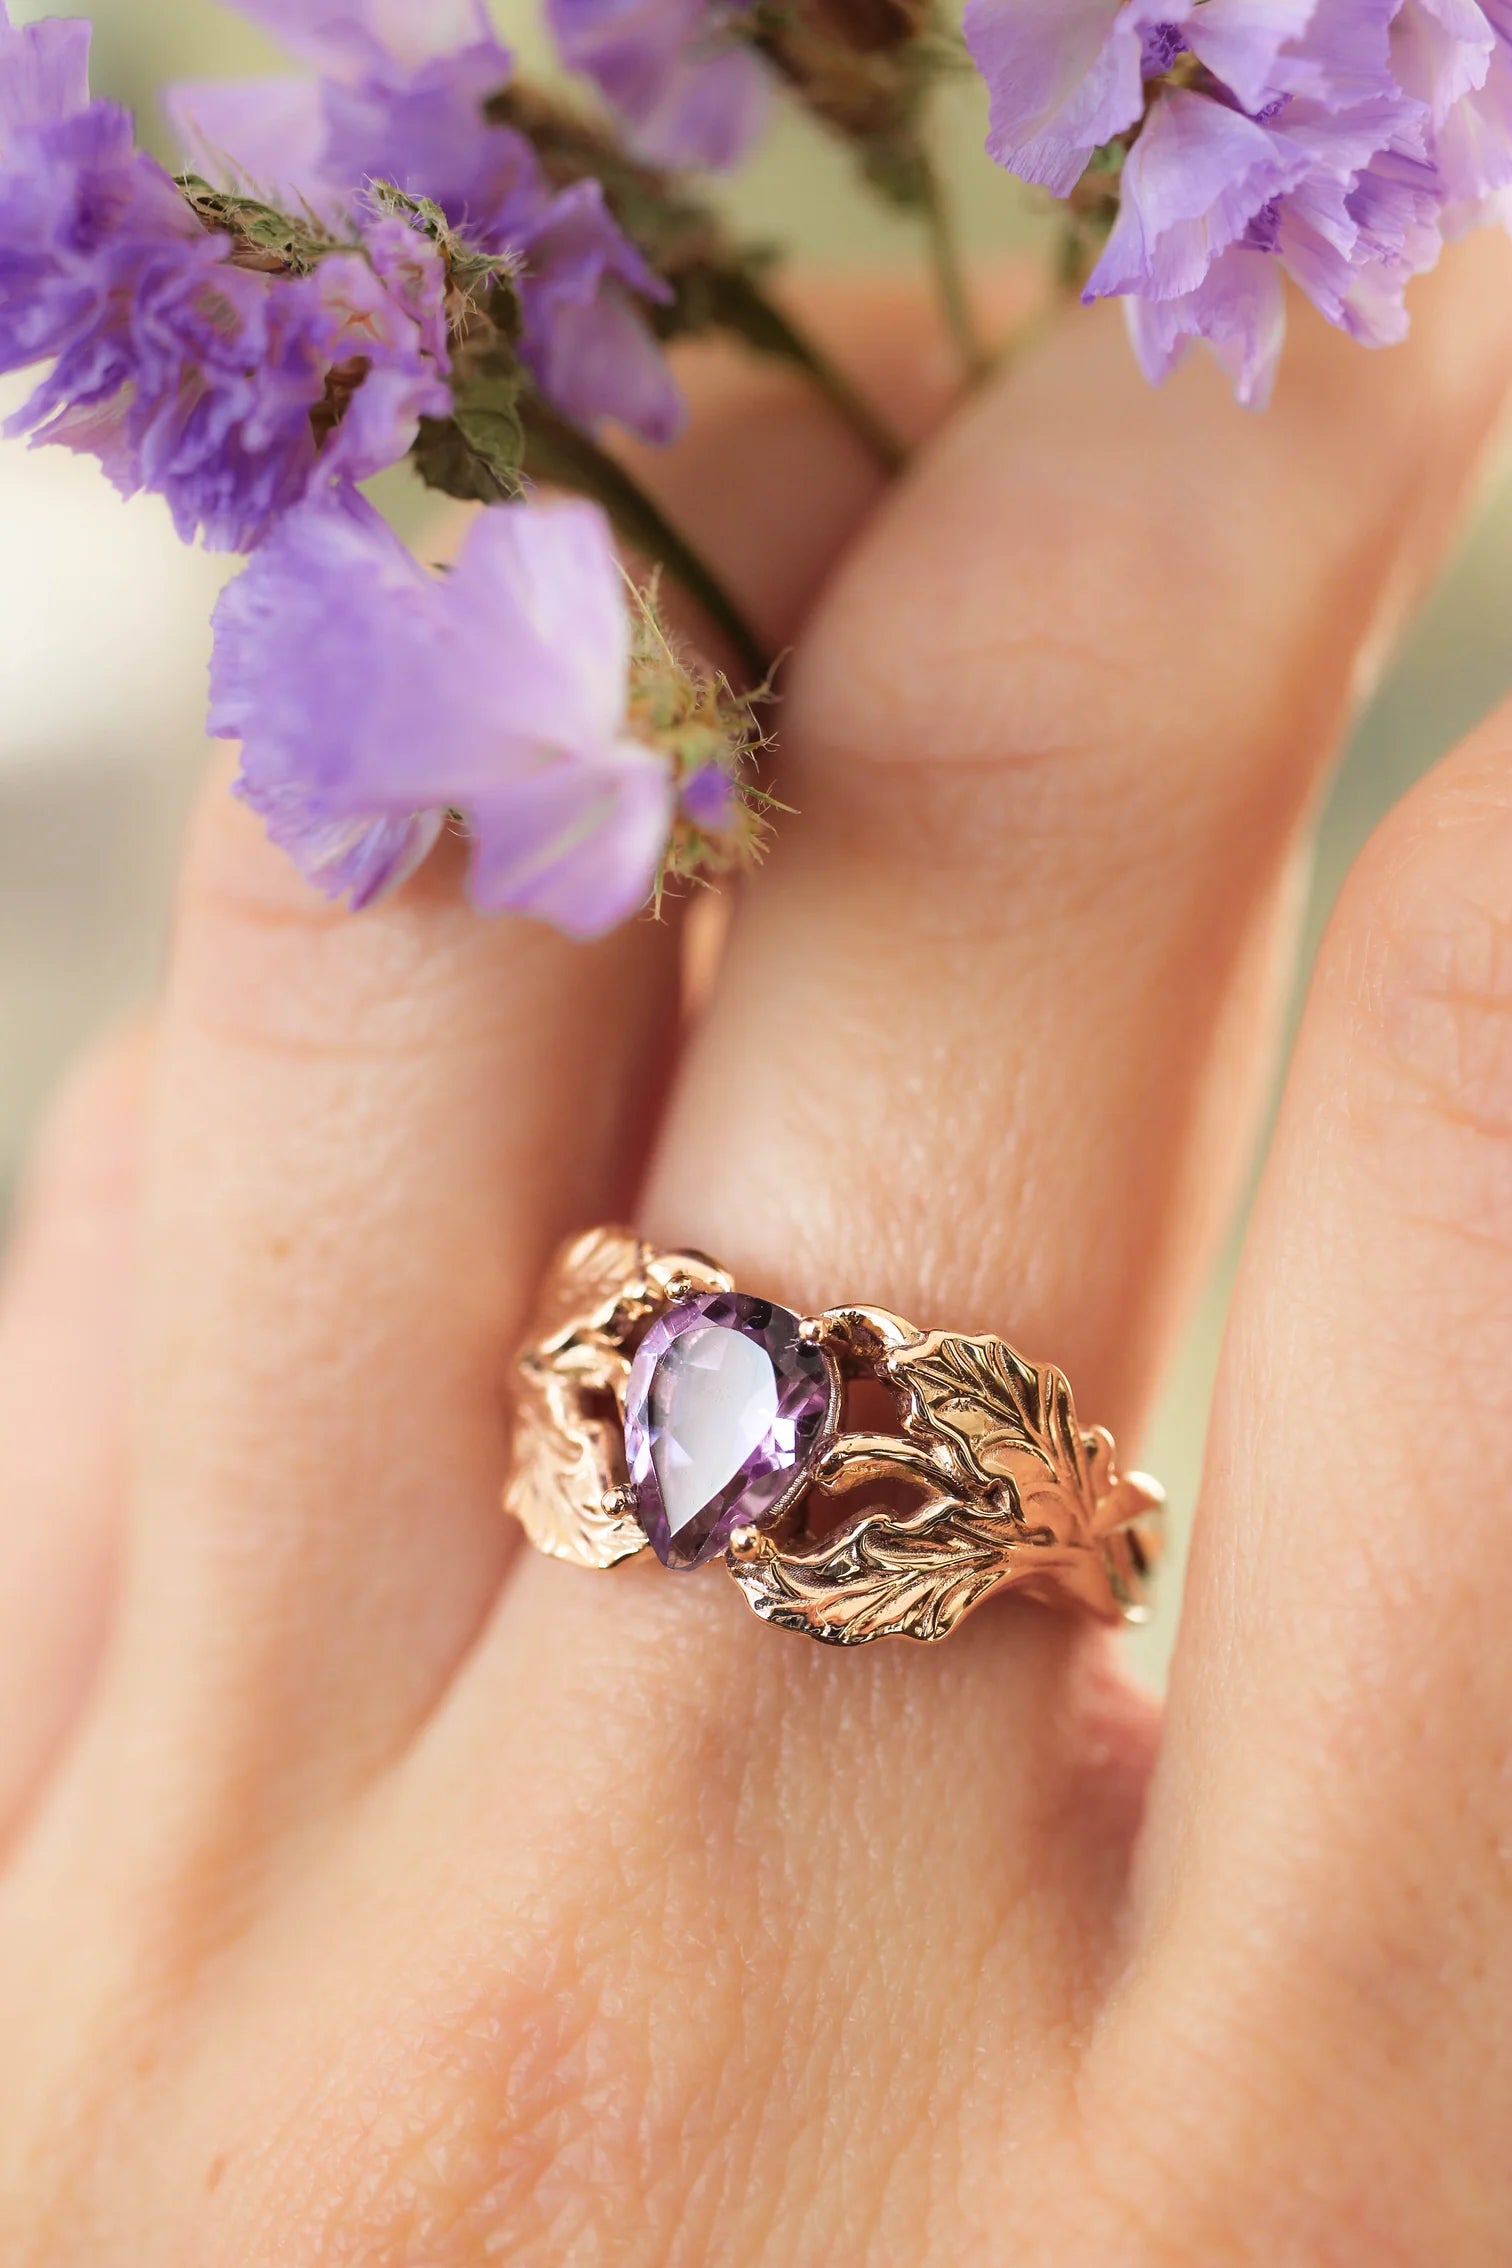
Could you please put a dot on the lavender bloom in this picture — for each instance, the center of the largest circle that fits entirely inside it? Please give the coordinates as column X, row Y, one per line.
column 210, row 383
column 689, row 93
column 1285, row 141
column 71, row 185
column 1456, row 57
column 386, row 312
column 371, row 697
column 413, row 114
column 44, row 74
column 372, row 35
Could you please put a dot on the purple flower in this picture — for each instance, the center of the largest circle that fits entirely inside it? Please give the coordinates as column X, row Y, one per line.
column 386, row 311
column 711, row 800
column 1286, row 141
column 196, row 380
column 372, row 35
column 44, row 74
column 1456, row 57
column 71, row 185
column 211, row 383
column 372, row 697
column 413, row 114
column 691, row 93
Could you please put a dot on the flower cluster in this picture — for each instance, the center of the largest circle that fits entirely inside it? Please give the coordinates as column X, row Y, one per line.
column 402, row 252
column 371, row 697
column 679, row 72
column 186, row 365
column 405, row 95
column 370, row 263
column 1217, row 144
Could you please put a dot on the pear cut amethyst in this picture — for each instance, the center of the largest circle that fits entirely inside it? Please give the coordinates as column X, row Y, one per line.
column 725, row 1407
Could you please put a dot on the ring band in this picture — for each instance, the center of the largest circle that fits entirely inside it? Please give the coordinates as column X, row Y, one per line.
column 658, row 1406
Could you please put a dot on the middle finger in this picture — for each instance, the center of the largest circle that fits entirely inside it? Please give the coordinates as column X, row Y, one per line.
column 987, row 1048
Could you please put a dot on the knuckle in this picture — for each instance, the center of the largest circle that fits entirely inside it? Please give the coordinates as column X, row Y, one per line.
column 1045, row 716
column 266, row 965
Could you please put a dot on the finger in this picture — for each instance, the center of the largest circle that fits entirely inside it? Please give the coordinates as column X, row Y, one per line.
column 1327, row 1878
column 368, row 1135
column 1052, row 744
column 986, row 1048
column 889, row 337
column 64, row 1323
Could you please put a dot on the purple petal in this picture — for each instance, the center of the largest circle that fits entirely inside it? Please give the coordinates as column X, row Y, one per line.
column 577, row 843
column 1195, row 179
column 599, row 358
column 668, row 67
column 390, row 315
column 356, row 860
column 711, row 113
column 363, row 35
column 328, row 655
column 426, row 133
column 1238, row 310
column 1340, row 143
column 1063, row 77
column 538, row 597
column 44, row 72
column 1474, row 144
column 587, row 343
column 66, row 190
column 710, row 799
column 365, row 690
column 1241, row 40
column 1343, row 57
column 1441, row 51
column 263, row 135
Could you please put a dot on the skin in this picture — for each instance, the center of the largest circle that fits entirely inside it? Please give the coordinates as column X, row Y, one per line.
column 375, row 1891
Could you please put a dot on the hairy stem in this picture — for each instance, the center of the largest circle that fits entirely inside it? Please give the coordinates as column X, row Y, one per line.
column 744, row 307
column 950, row 274
column 558, row 452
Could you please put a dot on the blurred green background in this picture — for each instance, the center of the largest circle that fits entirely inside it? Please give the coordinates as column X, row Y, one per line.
column 104, row 641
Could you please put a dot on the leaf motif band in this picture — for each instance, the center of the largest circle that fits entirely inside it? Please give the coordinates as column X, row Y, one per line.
column 655, row 1405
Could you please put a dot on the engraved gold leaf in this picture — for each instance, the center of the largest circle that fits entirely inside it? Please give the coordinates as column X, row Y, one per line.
column 588, row 1285
column 1032, row 1499
column 880, row 1577
column 567, row 1460
column 999, row 1420
column 569, row 1449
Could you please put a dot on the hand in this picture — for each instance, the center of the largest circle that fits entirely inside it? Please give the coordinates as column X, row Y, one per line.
column 379, row 1892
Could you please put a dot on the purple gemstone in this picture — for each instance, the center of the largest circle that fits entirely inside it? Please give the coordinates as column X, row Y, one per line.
column 725, row 1407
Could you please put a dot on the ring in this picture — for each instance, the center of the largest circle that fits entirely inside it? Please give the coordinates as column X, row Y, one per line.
column 658, row 1406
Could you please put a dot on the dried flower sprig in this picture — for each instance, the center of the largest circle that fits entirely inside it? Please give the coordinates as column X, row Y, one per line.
column 528, row 689
column 1206, row 148
column 409, row 254
column 200, row 364
column 692, row 79
column 714, row 283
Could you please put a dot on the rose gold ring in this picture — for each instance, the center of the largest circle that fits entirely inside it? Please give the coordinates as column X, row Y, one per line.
column 659, row 1406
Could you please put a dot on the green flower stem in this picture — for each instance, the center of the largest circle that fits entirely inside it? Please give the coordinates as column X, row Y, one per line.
column 562, row 454
column 950, row 274
column 745, row 308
